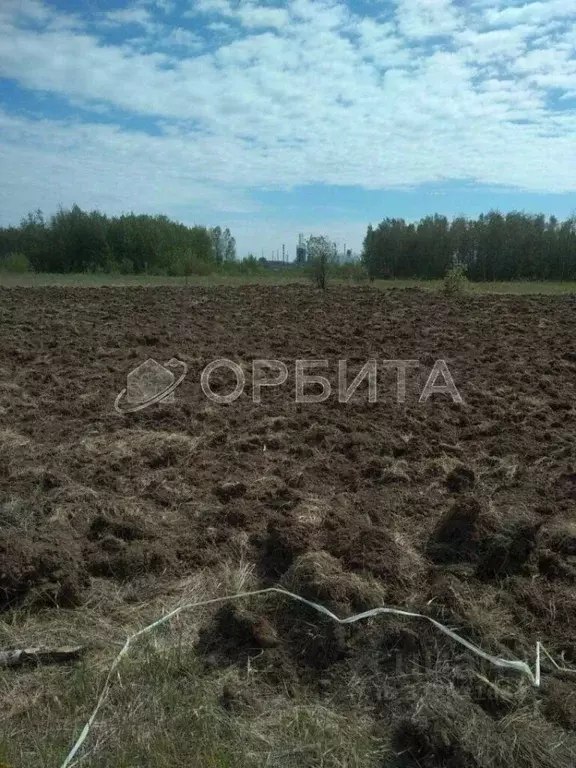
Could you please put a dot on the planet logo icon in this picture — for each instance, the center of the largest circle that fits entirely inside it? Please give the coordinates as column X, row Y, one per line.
column 150, row 383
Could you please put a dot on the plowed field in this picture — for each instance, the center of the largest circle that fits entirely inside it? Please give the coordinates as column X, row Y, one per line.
column 463, row 512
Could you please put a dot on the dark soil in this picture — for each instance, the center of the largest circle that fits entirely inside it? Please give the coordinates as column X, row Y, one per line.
column 465, row 513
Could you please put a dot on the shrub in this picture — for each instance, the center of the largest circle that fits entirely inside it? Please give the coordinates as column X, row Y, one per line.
column 15, row 262
column 455, row 281
column 198, row 266
column 353, row 270
column 321, row 258
column 251, row 266
column 248, row 266
column 186, row 263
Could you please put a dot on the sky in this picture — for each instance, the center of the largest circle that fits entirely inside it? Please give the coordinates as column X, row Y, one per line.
column 275, row 118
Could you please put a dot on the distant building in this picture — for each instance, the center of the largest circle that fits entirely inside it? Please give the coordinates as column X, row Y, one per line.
column 301, row 253
column 344, row 257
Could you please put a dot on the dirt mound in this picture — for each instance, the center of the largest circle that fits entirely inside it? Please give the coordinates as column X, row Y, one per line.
column 560, row 537
column 497, row 545
column 559, row 703
column 320, row 577
column 556, row 550
column 460, row 479
column 235, row 630
column 508, row 552
column 43, row 570
column 286, row 539
column 379, row 552
column 125, row 527
column 122, row 560
column 297, row 638
column 459, row 533
column 449, row 730
column 228, row 491
column 241, row 637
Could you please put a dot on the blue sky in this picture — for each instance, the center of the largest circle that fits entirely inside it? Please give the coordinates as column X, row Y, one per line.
column 274, row 118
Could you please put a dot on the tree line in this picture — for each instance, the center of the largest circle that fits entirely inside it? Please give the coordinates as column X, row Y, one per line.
column 495, row 246
column 80, row 241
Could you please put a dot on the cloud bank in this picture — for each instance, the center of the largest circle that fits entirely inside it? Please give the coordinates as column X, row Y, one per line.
column 190, row 108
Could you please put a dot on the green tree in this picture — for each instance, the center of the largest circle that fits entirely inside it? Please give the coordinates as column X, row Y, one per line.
column 229, row 246
column 321, row 255
column 15, row 263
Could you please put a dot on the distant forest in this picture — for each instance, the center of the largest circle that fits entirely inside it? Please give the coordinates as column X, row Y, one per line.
column 77, row 241
column 514, row 246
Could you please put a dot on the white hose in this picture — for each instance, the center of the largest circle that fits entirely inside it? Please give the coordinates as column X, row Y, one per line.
column 520, row 666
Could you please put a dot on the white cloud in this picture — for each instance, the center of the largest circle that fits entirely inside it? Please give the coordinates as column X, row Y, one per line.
column 219, row 26
column 381, row 43
column 497, row 44
column 320, row 14
column 164, row 6
column 102, row 165
column 133, row 15
column 179, row 36
column 32, row 10
column 254, row 17
column 299, row 94
column 531, row 13
column 250, row 14
column 220, row 7
column 421, row 19
column 157, row 36
column 29, row 12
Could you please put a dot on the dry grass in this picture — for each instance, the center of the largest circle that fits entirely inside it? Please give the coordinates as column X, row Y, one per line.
column 168, row 707
column 271, row 278
column 320, row 577
column 163, row 708
column 449, row 730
